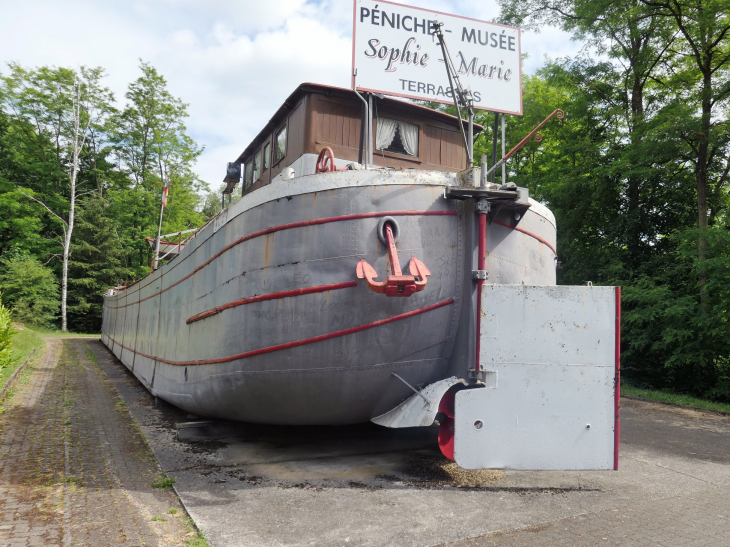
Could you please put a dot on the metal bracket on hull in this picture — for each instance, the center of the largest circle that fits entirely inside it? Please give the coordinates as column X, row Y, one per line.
column 420, row 409
column 396, row 284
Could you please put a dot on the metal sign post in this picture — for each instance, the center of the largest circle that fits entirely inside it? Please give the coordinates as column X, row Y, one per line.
column 366, row 135
column 370, row 129
column 494, row 142
column 504, row 167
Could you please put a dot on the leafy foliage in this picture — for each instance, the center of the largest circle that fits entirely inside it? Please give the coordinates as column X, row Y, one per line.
column 122, row 163
column 152, row 145
column 665, row 322
column 98, row 261
column 30, row 290
column 213, row 203
column 165, row 483
column 637, row 173
column 6, row 333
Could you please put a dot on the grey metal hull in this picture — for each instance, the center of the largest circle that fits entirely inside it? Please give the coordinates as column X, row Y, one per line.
column 324, row 357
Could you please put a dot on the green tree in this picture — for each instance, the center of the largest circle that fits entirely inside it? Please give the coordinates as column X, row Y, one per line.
column 21, row 221
column 98, row 262
column 30, row 290
column 671, row 339
column 702, row 80
column 153, row 147
column 702, row 91
column 652, row 166
column 213, row 203
column 65, row 105
column 62, row 149
column 637, row 44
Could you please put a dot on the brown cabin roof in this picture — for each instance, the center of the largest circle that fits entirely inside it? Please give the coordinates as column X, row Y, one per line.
column 341, row 91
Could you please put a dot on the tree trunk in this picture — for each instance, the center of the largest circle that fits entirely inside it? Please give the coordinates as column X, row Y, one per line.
column 701, row 175
column 634, row 182
column 64, row 279
column 702, row 149
column 67, row 242
column 72, row 208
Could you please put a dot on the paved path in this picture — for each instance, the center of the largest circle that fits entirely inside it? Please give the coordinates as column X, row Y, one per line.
column 74, row 468
column 697, row 519
column 365, row 486
column 681, row 441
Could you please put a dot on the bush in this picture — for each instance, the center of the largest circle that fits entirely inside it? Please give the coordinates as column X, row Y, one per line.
column 6, row 333
column 30, row 290
column 676, row 322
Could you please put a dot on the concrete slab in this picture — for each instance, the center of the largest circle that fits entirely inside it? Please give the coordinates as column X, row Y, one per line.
column 369, row 486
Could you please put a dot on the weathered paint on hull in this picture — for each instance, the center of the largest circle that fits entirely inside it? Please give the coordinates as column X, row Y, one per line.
column 345, row 378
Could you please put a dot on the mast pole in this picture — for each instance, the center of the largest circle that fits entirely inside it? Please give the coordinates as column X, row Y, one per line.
column 157, row 241
column 504, row 165
column 495, row 128
column 470, row 148
column 370, row 128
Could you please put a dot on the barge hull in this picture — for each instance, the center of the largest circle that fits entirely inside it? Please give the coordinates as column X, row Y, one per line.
column 261, row 318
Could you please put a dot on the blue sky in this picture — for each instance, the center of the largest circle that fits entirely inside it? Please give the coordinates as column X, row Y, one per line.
column 234, row 62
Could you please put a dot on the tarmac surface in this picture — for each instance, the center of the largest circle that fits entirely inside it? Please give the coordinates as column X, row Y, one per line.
column 76, row 470
column 368, row 486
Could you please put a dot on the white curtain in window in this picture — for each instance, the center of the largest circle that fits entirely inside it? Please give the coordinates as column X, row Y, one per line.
column 409, row 137
column 385, row 133
column 257, row 166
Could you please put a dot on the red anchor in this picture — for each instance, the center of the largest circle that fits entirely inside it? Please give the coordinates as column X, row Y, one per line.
column 396, row 284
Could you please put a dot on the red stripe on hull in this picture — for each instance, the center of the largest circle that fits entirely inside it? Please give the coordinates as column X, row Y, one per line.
column 282, row 227
column 271, row 296
column 541, row 240
column 294, row 344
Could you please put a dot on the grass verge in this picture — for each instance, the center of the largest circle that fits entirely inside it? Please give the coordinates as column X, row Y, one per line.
column 195, row 536
column 674, row 398
column 60, row 334
column 21, row 344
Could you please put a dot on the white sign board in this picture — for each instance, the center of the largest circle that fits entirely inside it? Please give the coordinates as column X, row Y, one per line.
column 394, row 52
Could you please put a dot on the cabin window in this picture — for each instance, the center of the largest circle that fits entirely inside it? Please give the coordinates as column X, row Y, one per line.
column 397, row 137
column 267, row 155
column 280, row 144
column 257, row 166
column 248, row 174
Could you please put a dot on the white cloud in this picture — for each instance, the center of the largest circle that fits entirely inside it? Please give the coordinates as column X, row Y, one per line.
column 234, row 62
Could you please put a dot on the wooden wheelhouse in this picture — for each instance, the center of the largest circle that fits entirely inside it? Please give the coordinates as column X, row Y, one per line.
column 407, row 136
